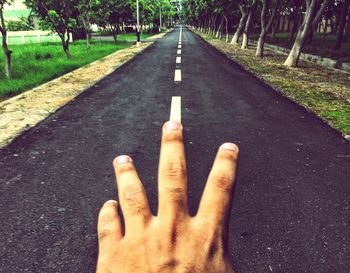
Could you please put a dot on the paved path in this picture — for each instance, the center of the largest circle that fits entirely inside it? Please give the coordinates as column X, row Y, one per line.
column 291, row 210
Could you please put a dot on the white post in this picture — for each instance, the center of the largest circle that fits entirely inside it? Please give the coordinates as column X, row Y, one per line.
column 23, row 41
column 38, row 37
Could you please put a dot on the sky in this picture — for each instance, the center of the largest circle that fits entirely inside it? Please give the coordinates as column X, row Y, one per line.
column 18, row 4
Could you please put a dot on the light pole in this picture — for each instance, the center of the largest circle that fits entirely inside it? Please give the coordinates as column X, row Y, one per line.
column 138, row 33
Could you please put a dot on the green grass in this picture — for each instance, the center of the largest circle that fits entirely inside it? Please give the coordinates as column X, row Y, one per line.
column 34, row 64
column 132, row 37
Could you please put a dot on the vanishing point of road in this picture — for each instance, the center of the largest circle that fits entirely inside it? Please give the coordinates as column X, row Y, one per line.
column 291, row 210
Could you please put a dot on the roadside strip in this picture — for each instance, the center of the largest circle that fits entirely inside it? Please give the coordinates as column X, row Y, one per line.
column 26, row 110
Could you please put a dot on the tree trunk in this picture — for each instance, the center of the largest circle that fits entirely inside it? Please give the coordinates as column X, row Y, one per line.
column 88, row 43
column 295, row 27
column 213, row 28
column 226, row 27
column 65, row 44
column 340, row 34
column 219, row 28
column 8, row 70
column 265, row 27
column 240, row 27
column 247, row 26
column 7, row 51
column 87, row 31
column 308, row 24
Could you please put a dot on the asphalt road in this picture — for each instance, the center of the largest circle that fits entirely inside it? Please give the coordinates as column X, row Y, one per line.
column 291, row 210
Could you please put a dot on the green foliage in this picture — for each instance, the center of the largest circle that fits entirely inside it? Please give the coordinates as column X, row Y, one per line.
column 13, row 25
column 34, row 64
column 60, row 16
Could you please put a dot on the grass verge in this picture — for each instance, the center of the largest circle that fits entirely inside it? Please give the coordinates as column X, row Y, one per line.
column 324, row 91
column 37, row 63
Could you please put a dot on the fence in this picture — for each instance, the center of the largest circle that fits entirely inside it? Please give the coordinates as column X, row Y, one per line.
column 35, row 36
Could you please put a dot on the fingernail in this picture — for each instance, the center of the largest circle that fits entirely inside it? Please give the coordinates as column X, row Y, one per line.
column 122, row 159
column 229, row 146
column 111, row 202
column 172, row 125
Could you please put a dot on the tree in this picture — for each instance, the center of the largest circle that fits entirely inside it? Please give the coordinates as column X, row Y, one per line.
column 311, row 19
column 265, row 26
column 251, row 11
column 87, row 10
column 5, row 47
column 344, row 13
column 60, row 15
column 110, row 14
column 244, row 15
column 23, row 24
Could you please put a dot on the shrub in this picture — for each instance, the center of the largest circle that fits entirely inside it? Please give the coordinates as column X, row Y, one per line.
column 17, row 26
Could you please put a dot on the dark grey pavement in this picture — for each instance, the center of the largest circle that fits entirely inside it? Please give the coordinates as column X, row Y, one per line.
column 291, row 210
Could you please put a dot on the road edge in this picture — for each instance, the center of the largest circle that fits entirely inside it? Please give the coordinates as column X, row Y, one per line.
column 276, row 89
column 26, row 110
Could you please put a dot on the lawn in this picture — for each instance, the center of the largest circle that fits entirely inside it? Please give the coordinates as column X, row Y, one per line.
column 37, row 63
column 129, row 37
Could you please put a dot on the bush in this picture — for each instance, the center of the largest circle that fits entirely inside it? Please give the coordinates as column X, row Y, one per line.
column 17, row 26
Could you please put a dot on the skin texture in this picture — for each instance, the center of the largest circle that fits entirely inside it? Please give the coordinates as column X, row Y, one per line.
column 172, row 241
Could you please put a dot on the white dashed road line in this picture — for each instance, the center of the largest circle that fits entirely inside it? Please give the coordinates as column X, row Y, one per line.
column 175, row 110
column 178, row 73
column 178, row 77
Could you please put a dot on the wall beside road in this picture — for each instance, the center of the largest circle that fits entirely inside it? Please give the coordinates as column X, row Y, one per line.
column 326, row 62
column 32, row 36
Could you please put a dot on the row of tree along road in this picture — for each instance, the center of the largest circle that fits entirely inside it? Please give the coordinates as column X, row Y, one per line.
column 65, row 17
column 306, row 16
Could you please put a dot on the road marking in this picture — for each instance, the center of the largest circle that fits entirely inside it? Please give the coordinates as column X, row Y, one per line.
column 175, row 109
column 179, row 46
column 179, row 51
column 178, row 76
column 178, row 60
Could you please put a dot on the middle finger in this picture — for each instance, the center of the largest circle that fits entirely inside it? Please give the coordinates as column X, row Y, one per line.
column 172, row 177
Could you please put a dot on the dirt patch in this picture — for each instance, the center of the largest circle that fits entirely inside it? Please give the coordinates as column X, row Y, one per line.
column 24, row 111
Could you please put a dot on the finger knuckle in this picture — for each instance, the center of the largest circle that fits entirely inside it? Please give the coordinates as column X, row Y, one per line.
column 104, row 234
column 174, row 137
column 228, row 156
column 176, row 194
column 134, row 198
column 223, row 181
column 175, row 170
column 125, row 168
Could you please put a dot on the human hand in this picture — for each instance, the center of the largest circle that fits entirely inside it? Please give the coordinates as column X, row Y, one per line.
column 172, row 241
